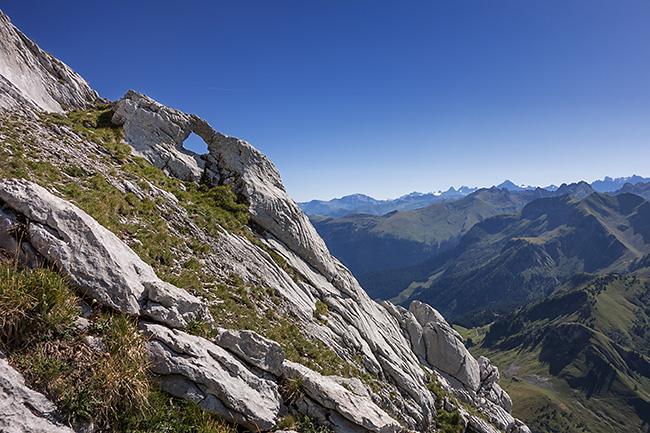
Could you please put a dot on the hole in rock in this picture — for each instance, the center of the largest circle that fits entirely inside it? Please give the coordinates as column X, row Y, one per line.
column 195, row 144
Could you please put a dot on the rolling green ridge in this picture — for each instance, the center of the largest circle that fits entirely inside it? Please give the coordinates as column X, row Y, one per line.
column 579, row 360
column 512, row 259
column 366, row 243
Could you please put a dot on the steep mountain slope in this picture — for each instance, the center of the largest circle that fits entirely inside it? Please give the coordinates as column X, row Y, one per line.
column 32, row 78
column 513, row 259
column 245, row 312
column 579, row 360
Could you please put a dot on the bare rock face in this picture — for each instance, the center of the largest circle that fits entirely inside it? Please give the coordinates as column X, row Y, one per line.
column 490, row 387
column 157, row 132
column 359, row 411
column 212, row 377
column 31, row 78
column 256, row 350
column 23, row 410
column 93, row 257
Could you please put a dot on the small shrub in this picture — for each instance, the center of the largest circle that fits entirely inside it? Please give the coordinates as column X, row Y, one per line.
column 321, row 310
column 449, row 422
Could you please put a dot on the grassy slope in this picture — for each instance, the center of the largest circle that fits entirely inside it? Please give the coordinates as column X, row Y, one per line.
column 85, row 169
column 579, row 360
column 366, row 243
column 514, row 259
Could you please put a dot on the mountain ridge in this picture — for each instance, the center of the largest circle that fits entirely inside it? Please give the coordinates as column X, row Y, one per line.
column 339, row 207
column 218, row 287
column 588, row 346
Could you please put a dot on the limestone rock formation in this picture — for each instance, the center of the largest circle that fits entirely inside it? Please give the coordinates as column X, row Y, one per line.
column 32, row 78
column 444, row 346
column 214, row 378
column 239, row 373
column 157, row 132
column 258, row 351
column 358, row 410
column 93, row 257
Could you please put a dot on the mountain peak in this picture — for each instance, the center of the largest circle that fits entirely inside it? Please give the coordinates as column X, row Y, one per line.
column 579, row 190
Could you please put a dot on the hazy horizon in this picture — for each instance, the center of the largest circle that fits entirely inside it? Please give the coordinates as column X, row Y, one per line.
column 519, row 184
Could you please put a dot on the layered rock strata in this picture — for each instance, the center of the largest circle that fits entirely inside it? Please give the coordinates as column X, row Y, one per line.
column 47, row 229
column 31, row 78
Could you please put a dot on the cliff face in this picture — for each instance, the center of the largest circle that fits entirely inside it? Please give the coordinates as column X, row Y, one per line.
column 391, row 357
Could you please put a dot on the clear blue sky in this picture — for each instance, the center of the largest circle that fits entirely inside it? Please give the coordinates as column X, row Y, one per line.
column 382, row 97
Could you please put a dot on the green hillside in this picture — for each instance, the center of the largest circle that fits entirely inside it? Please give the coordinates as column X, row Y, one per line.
column 513, row 259
column 366, row 243
column 577, row 361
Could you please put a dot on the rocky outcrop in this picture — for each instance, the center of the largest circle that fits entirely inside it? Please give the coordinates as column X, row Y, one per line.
column 332, row 397
column 157, row 133
column 23, row 410
column 476, row 382
column 355, row 325
column 265, row 354
column 32, row 78
column 444, row 346
column 193, row 368
column 239, row 374
column 55, row 231
column 490, row 387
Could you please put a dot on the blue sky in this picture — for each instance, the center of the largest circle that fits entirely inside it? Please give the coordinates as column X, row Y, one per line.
column 381, row 97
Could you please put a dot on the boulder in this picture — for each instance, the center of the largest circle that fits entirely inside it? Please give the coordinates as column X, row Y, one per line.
column 172, row 306
column 256, row 350
column 195, row 368
column 328, row 393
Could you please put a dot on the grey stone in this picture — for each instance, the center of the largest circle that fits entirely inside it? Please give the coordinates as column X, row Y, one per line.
column 356, row 409
column 31, row 78
column 253, row 348
column 95, row 259
column 444, row 346
column 231, row 389
column 172, row 306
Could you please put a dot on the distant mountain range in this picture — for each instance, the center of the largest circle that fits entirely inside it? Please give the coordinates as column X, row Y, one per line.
column 360, row 203
column 366, row 243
